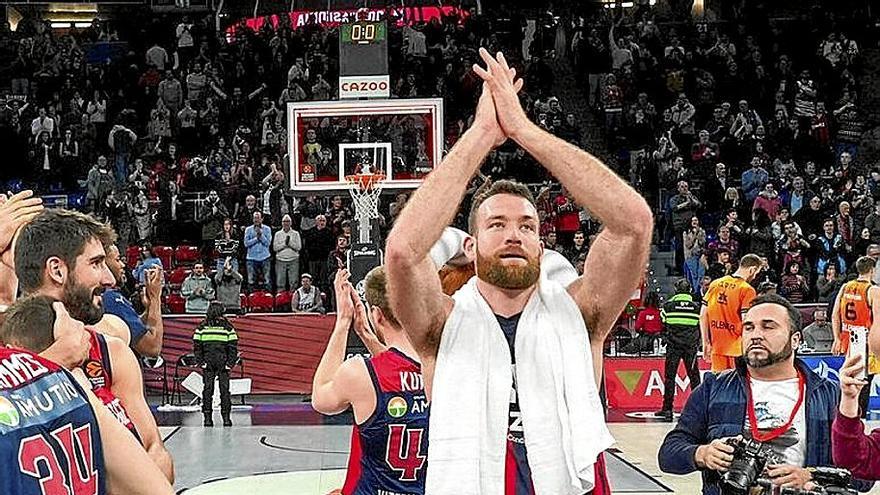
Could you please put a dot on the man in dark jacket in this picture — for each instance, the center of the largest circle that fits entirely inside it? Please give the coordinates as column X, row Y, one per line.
column 771, row 397
column 681, row 329
column 215, row 345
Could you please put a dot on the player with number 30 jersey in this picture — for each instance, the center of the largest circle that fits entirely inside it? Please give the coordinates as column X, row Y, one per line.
column 48, row 432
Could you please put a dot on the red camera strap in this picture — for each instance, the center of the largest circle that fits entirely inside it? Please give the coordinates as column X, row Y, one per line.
column 776, row 432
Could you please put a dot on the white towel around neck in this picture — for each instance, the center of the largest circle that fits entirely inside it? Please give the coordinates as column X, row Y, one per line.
column 562, row 416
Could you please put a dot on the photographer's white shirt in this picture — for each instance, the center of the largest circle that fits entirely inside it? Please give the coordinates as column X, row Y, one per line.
column 773, row 404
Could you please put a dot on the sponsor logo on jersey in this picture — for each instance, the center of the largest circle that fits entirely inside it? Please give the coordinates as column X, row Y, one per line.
column 8, row 413
column 95, row 372
column 397, row 407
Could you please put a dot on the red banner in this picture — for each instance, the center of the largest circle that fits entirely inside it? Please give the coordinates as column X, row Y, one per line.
column 403, row 16
column 280, row 351
column 636, row 384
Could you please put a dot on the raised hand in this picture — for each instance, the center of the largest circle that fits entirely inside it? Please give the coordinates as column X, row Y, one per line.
column 16, row 211
column 362, row 325
column 504, row 86
column 344, row 305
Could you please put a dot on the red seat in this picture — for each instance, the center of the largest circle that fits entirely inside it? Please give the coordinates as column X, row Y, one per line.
column 177, row 276
column 243, row 301
column 186, row 255
column 261, row 301
column 282, row 301
column 164, row 253
column 132, row 255
column 176, row 303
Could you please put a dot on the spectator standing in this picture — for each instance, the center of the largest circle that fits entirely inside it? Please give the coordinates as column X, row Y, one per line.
column 257, row 238
column 228, row 282
column 157, row 57
column 753, row 181
column 307, row 298
column 794, row 286
column 197, row 289
column 121, row 140
column 42, row 123
column 226, row 245
column 171, row 93
column 318, row 242
column 694, row 239
column 578, row 248
column 683, row 207
column 828, row 284
column 681, row 329
column 818, row 335
column 287, row 245
column 212, row 216
column 829, row 248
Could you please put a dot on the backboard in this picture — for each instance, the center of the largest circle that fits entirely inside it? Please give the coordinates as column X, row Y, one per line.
column 328, row 140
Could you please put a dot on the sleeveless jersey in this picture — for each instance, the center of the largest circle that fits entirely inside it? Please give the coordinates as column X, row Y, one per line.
column 49, row 437
column 99, row 371
column 517, row 474
column 855, row 311
column 390, row 449
column 725, row 301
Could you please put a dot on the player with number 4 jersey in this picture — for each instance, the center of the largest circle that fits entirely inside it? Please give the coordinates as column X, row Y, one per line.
column 389, row 445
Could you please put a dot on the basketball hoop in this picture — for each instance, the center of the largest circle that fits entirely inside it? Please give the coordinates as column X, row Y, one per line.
column 365, row 190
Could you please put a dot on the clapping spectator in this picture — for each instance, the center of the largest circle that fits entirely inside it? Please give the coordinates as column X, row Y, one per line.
column 694, row 239
column 197, row 289
column 794, row 286
column 228, row 282
column 828, row 284
column 257, row 239
column 287, row 245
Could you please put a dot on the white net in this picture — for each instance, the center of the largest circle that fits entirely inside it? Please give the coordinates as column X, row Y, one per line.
column 365, row 190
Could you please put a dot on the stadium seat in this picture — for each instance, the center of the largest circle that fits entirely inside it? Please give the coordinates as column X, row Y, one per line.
column 261, row 301
column 243, row 302
column 282, row 301
column 176, row 303
column 132, row 255
column 177, row 276
column 165, row 255
column 186, row 255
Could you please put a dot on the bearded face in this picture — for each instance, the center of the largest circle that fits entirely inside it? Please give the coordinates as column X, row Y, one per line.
column 82, row 302
column 512, row 270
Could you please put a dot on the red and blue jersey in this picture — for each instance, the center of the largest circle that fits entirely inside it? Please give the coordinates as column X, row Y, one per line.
column 99, row 370
column 517, row 475
column 49, row 438
column 389, row 450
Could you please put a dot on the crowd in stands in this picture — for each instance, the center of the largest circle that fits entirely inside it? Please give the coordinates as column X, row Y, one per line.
column 745, row 136
column 176, row 136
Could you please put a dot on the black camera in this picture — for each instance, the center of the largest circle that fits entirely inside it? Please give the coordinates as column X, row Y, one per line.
column 830, row 481
column 750, row 457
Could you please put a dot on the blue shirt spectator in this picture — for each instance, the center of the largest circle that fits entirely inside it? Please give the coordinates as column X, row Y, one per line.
column 753, row 180
column 257, row 238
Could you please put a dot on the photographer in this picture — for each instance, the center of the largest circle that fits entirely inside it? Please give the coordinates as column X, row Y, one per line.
column 853, row 448
column 771, row 397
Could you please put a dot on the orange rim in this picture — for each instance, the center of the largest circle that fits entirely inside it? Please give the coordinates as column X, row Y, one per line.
column 365, row 182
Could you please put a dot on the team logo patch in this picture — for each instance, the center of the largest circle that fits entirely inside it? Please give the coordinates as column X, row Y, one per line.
column 8, row 413
column 94, row 369
column 397, row 407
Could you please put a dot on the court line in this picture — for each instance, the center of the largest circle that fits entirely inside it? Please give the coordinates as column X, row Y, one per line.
column 265, row 442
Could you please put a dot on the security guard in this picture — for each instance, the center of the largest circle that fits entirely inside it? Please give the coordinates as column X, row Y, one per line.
column 681, row 328
column 215, row 345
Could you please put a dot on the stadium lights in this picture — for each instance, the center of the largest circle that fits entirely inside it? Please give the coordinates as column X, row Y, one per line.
column 613, row 4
